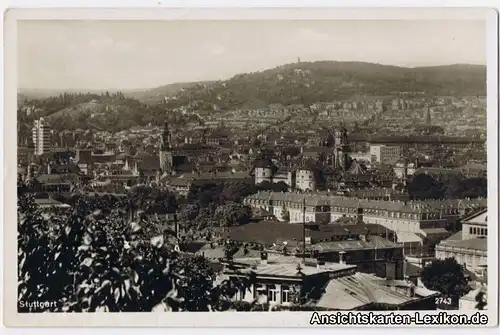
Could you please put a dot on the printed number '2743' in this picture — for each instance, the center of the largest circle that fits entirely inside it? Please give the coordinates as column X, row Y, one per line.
column 443, row 301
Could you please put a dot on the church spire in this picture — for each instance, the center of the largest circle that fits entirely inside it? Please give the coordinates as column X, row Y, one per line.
column 166, row 138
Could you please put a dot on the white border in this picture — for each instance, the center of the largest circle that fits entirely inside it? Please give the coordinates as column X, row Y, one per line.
column 234, row 319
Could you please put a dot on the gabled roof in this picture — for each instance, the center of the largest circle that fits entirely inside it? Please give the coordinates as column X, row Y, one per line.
column 264, row 163
column 358, row 290
column 477, row 217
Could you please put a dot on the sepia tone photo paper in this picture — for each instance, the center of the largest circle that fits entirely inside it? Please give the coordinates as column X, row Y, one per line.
column 314, row 167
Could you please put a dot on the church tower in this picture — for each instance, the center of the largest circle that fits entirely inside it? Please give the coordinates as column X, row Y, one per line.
column 341, row 149
column 165, row 155
column 428, row 116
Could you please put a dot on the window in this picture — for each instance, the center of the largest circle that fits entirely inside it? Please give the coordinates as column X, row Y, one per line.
column 470, row 230
column 486, row 232
column 242, row 294
column 285, row 294
column 272, row 293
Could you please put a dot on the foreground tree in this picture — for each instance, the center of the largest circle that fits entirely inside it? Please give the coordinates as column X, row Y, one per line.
column 92, row 258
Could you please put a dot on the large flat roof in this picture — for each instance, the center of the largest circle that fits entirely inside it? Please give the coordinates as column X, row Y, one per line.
column 288, row 266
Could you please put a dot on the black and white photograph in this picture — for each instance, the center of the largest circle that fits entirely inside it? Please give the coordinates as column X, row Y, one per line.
column 252, row 165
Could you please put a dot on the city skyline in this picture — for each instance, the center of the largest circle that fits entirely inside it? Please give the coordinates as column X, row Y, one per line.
column 128, row 55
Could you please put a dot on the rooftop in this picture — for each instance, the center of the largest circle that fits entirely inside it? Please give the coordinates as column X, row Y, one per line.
column 406, row 237
column 357, row 290
column 288, row 266
column 375, row 242
column 480, row 217
column 322, row 199
column 48, row 202
column 480, row 244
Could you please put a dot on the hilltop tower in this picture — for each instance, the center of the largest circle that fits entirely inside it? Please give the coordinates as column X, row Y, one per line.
column 341, row 149
column 165, row 154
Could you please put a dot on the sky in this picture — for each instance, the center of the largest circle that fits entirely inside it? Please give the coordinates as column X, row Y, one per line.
column 57, row 54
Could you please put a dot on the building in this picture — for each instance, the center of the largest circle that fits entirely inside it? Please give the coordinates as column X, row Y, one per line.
column 475, row 226
column 428, row 218
column 402, row 170
column 469, row 303
column 423, row 142
column 385, row 154
column 87, row 161
column 58, row 183
column 308, row 171
column 428, row 116
column 165, row 154
column 302, row 178
column 342, row 149
column 361, row 156
column 367, row 246
column 474, row 170
column 287, row 282
column 469, row 247
column 183, row 183
column 306, row 176
column 42, row 137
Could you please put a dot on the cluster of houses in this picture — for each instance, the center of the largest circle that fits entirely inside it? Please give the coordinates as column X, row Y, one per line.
column 343, row 238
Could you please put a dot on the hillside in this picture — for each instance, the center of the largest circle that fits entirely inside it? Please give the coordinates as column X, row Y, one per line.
column 299, row 83
column 309, row 82
column 159, row 93
column 113, row 115
column 108, row 111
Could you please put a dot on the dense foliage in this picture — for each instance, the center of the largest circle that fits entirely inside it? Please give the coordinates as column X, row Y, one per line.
column 424, row 186
column 93, row 258
column 111, row 112
column 445, row 276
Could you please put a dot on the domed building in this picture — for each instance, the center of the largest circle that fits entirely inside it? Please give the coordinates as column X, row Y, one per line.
column 314, row 167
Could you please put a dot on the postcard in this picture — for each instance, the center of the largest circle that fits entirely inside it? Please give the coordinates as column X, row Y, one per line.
column 293, row 168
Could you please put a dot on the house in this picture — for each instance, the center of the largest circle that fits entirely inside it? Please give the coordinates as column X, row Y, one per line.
column 55, row 182
column 86, row 160
column 364, row 245
column 288, row 282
